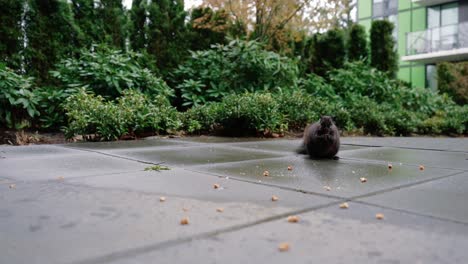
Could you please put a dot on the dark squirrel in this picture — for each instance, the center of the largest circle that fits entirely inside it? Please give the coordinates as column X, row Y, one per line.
column 321, row 139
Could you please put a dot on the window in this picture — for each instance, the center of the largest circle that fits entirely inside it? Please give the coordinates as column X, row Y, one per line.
column 442, row 21
column 384, row 8
column 431, row 77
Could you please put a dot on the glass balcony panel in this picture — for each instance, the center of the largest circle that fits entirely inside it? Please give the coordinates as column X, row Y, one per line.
column 437, row 39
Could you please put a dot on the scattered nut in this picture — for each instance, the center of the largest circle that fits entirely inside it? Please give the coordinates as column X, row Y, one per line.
column 390, row 166
column 421, row 167
column 274, row 198
column 363, row 179
column 61, row 178
column 216, row 186
column 184, row 221
column 162, row 199
column 327, row 188
column 12, row 186
column 220, row 210
column 379, row 216
column 283, row 247
column 293, row 219
column 266, row 173
column 344, row 206
column 290, row 167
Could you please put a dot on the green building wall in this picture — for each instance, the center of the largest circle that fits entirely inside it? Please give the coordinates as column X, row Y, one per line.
column 411, row 18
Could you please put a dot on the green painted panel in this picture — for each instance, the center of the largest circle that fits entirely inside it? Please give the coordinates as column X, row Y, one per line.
column 404, row 26
column 364, row 8
column 404, row 74
column 404, row 4
column 419, row 19
column 418, row 76
column 367, row 24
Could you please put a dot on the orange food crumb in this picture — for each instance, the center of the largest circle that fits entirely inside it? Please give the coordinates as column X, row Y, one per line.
column 293, row 219
column 344, row 206
column 363, row 179
column 220, row 210
column 184, row 221
column 266, row 173
column 290, row 167
column 162, row 199
column 283, row 247
column 421, row 167
column 379, row 216
column 274, row 198
column 216, row 186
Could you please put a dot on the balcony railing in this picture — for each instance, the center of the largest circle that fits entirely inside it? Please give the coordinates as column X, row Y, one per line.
column 437, row 39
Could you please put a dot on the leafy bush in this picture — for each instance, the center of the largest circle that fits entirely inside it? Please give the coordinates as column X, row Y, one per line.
column 131, row 114
column 329, row 51
column 109, row 72
column 240, row 66
column 238, row 114
column 453, row 79
column 18, row 102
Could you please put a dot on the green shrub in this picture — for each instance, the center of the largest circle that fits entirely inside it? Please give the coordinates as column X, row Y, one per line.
column 452, row 79
column 109, row 72
column 50, row 106
column 18, row 102
column 240, row 66
column 133, row 113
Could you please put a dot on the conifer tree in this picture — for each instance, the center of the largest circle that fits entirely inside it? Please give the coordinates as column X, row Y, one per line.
column 138, row 18
column 207, row 27
column 50, row 35
column 11, row 37
column 383, row 47
column 357, row 43
column 85, row 17
column 113, row 21
column 166, row 34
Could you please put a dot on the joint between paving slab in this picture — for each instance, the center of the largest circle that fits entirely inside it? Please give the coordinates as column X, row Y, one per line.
column 411, row 212
column 431, row 149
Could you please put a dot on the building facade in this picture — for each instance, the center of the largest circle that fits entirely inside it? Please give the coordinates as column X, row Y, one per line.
column 427, row 32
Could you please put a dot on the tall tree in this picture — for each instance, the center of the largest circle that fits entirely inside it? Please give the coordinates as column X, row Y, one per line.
column 207, row 27
column 384, row 56
column 51, row 35
column 166, row 33
column 11, row 37
column 86, row 18
column 357, row 43
column 113, row 20
column 138, row 17
column 329, row 51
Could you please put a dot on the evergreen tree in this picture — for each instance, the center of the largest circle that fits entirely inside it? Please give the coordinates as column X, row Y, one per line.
column 138, row 18
column 166, row 34
column 51, row 35
column 11, row 37
column 113, row 21
column 85, row 16
column 329, row 51
column 357, row 43
column 207, row 27
column 383, row 47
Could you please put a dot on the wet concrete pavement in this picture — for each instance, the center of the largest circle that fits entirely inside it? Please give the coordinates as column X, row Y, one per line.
column 95, row 203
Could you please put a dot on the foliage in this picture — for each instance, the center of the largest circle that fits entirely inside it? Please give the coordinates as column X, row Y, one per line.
column 157, row 168
column 238, row 114
column 453, row 79
column 383, row 47
column 166, row 33
column 19, row 105
column 237, row 67
column 51, row 35
column 109, row 72
column 357, row 43
column 329, row 51
column 50, row 106
column 138, row 17
column 113, row 18
column 10, row 32
column 131, row 114
column 207, row 27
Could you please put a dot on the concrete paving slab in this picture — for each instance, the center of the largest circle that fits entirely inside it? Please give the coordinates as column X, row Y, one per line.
column 63, row 222
column 342, row 176
column 439, row 143
column 441, row 159
column 213, row 139
column 9, row 152
column 195, row 155
column 50, row 167
column 188, row 184
column 289, row 146
column 330, row 235
column 129, row 144
column 445, row 198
